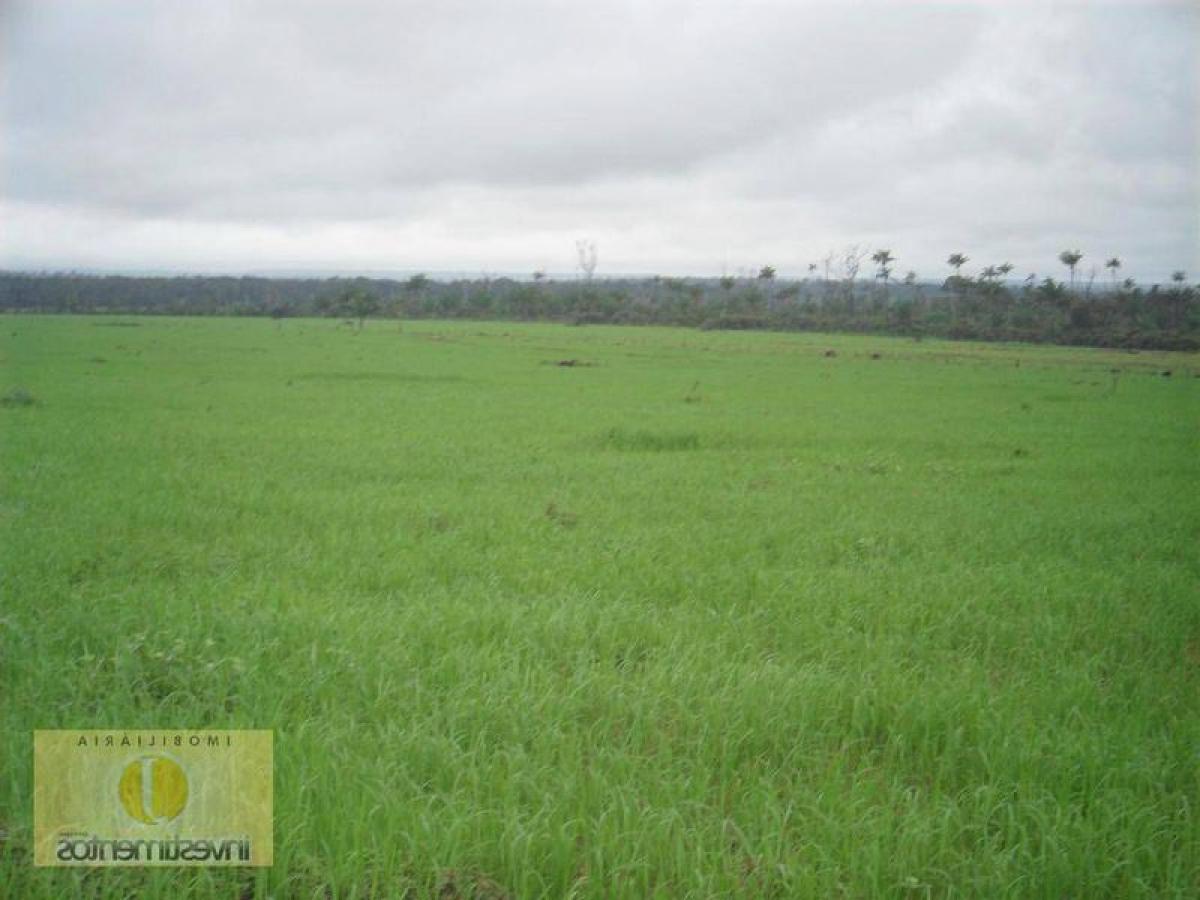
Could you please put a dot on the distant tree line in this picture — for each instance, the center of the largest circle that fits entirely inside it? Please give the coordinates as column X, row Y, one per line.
column 988, row 305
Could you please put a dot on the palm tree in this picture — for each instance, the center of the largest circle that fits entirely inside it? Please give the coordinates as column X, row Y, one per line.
column 1179, row 276
column 1003, row 271
column 957, row 261
column 766, row 275
column 1112, row 265
column 1070, row 259
column 988, row 276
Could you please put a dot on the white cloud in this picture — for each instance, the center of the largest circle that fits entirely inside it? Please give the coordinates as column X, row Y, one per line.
column 683, row 136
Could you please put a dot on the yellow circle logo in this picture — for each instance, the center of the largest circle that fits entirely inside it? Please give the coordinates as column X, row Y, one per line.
column 153, row 789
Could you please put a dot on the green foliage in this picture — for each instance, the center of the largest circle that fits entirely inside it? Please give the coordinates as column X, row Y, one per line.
column 351, row 302
column 983, row 307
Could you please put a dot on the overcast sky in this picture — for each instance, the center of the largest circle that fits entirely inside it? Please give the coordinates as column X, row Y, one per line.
column 684, row 138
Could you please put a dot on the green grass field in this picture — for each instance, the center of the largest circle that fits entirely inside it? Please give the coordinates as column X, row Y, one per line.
column 703, row 615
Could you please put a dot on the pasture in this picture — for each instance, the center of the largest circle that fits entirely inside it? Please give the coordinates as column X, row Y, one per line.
column 698, row 614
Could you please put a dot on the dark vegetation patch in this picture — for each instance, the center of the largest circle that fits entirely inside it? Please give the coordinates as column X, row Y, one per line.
column 561, row 517
column 117, row 324
column 734, row 322
column 569, row 363
column 17, row 397
column 438, row 523
column 643, row 440
column 382, row 377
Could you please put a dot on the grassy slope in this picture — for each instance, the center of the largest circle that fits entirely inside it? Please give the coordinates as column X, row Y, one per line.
column 716, row 616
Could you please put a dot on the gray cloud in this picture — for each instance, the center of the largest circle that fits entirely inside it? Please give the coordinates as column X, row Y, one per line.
column 685, row 136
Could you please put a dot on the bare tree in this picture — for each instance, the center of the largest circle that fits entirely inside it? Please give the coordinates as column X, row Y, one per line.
column 586, row 250
column 852, row 258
